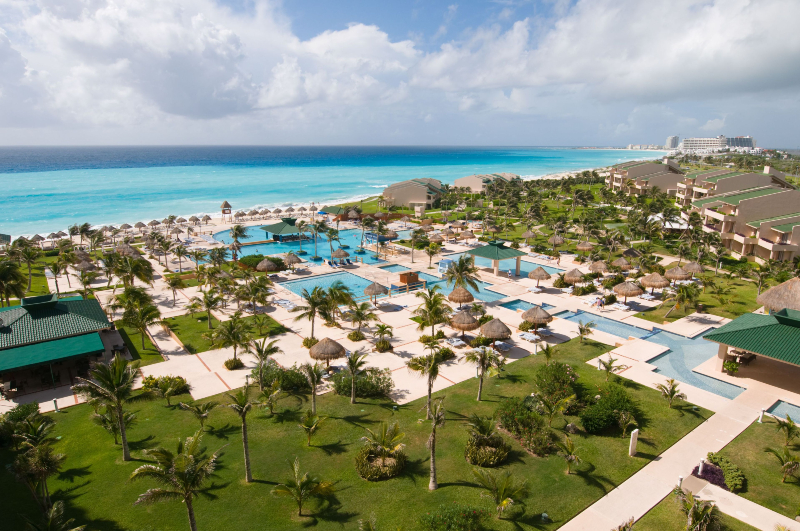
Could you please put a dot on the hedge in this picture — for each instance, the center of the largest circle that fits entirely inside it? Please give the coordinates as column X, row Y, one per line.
column 734, row 477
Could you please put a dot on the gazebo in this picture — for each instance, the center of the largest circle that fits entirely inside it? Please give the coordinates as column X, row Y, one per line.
column 281, row 230
column 538, row 275
column 327, row 350
column 496, row 251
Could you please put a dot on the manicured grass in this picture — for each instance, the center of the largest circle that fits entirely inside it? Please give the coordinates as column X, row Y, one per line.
column 133, row 340
column 762, row 470
column 95, row 480
column 190, row 330
column 667, row 516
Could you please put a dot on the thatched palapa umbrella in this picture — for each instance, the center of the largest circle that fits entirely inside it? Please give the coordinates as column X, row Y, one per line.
column 653, row 281
column 464, row 321
column 289, row 210
column 405, row 219
column 436, row 238
column 327, row 350
column 527, row 235
column 427, row 228
column 466, row 235
column 677, row 273
column 302, row 209
column 538, row 275
column 379, row 215
column 176, row 231
column 52, row 236
column 180, row 220
column 585, row 246
column 461, row 296
column 353, row 214
column 622, row 264
column 574, row 276
column 277, row 211
column 82, row 255
column 267, row 265
column 426, row 222
column 785, row 295
column 340, row 253
column 631, row 253
column 125, row 226
column 253, row 213
column 555, row 240
column 627, row 289
column 85, row 266
column 206, row 218
column 694, row 268
column 140, row 226
column 598, row 267
column 292, row 259
column 194, row 219
column 537, row 316
column 154, row 223
column 495, row 329
column 374, row 290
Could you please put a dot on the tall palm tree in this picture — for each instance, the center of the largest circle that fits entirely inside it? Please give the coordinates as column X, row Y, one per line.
column 238, row 232
column 241, row 405
column 585, row 329
column 301, row 227
column 263, row 352
column 486, row 359
column 34, row 467
column 313, row 374
column 86, row 278
column 502, row 488
column 361, row 314
column 55, row 270
column 355, row 366
column 235, row 332
column 314, row 302
column 182, row 475
column 112, row 385
column 333, row 236
column 198, row 256
column 463, row 273
column 700, row 515
column 180, row 252
column 12, row 281
column 130, row 269
column 685, row 295
column 142, row 317
column 302, row 486
column 416, row 234
column 433, row 310
column 437, row 419
column 29, row 256
column 432, row 250
column 318, row 228
column 200, row 410
column 53, row 520
column 208, row 302
column 428, row 367
column 174, row 284
column 790, row 429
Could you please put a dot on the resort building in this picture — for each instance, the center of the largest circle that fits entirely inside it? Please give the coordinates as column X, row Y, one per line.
column 672, row 142
column 422, row 192
column 46, row 342
column 719, row 143
column 700, row 185
column 478, row 183
column 639, row 177
column 5, row 241
column 284, row 230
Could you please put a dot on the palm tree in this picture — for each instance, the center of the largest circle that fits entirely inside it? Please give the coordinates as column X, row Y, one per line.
column 789, row 428
column 355, row 366
column 432, row 250
column 235, row 332
column 686, row 295
column 427, row 366
column 142, row 317
column 301, row 227
column 585, row 330
column 112, row 385
column 86, row 278
column 262, row 351
column 316, row 229
column 301, row 487
column 310, row 423
column 34, row 467
column 463, row 273
column 361, row 314
column 314, row 304
column 200, row 410
column 313, row 374
column 237, row 232
column 241, row 405
column 502, row 488
column 670, row 391
column 180, row 252
column 333, row 236
column 553, row 406
column 548, row 351
column 269, row 397
column 433, row 310
column 29, row 256
column 174, row 284
column 790, row 463
column 208, row 302
column 416, row 234
column 165, row 247
column 54, row 270
column 609, row 366
column 108, row 421
column 53, row 520
column 566, row 450
column 486, row 359
column 12, row 281
column 385, row 441
column 198, row 256
column 182, row 474
column 700, row 515
column 437, row 418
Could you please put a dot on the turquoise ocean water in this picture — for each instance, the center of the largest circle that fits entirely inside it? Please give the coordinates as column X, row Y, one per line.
column 47, row 189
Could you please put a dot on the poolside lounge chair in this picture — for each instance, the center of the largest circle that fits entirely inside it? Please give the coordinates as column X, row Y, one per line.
column 456, row 342
column 502, row 347
column 544, row 332
column 568, row 290
column 534, row 289
column 348, row 261
column 527, row 336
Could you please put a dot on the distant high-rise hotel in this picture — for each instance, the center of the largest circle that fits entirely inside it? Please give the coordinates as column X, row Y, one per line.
column 717, row 143
column 672, row 142
column 742, row 141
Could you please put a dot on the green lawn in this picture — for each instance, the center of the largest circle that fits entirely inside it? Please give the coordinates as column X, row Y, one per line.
column 667, row 516
column 762, row 470
column 190, row 330
column 133, row 340
column 95, row 480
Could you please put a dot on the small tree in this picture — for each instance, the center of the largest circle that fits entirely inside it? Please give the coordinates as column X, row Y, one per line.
column 310, row 423
column 486, row 360
column 789, row 428
column 554, row 406
column 567, row 450
column 502, row 488
column 313, row 374
column 302, row 487
column 385, row 441
column 269, row 397
column 700, row 515
column 200, row 410
column 241, row 405
column 355, row 366
column 585, row 330
column 609, row 366
column 790, row 463
column 670, row 391
column 437, row 418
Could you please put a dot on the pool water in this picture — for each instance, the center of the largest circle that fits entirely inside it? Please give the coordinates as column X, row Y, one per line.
column 394, row 268
column 519, row 304
column 683, row 356
column 785, row 409
column 356, row 283
column 604, row 324
column 483, row 294
column 349, row 237
column 524, row 266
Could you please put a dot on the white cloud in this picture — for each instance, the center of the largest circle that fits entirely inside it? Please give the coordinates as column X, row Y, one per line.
column 715, row 124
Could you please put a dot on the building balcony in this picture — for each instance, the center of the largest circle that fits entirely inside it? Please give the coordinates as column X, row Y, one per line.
column 777, row 246
column 720, row 216
column 744, row 239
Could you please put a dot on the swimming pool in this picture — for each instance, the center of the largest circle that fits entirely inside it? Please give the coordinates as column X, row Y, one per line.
column 482, row 294
column 394, row 268
column 356, row 283
column 683, row 356
column 519, row 304
column 785, row 409
column 349, row 237
column 604, row 324
column 524, row 266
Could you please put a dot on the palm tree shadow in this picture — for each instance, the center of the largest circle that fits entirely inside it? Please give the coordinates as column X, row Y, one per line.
column 209, row 492
column 287, row 415
column 527, row 521
column 355, row 420
column 414, row 469
column 225, row 431
column 143, row 444
column 602, row 483
column 329, row 510
column 510, row 378
column 336, row 448
column 72, row 473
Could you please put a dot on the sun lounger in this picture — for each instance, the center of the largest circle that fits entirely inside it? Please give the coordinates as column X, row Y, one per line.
column 527, row 336
column 456, row 342
column 534, row 289
column 567, row 290
column 502, row 347
column 544, row 332
column 348, row 261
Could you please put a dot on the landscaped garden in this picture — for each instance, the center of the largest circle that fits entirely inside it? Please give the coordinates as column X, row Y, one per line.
column 192, row 330
column 94, row 481
column 668, row 516
column 133, row 340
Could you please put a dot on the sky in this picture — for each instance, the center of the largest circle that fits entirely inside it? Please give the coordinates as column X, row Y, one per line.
column 399, row 72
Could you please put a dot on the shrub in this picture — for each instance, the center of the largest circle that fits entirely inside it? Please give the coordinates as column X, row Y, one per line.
column 372, row 468
column 487, row 452
column 446, row 354
column 610, row 282
column 483, row 319
column 734, row 477
column 481, row 341
column 290, row 379
column 603, row 414
column 527, row 426
column 384, row 345
column 425, row 338
column 524, row 326
column 52, row 252
column 559, row 282
column 355, row 335
column 251, row 261
column 374, row 383
column 584, row 290
column 556, row 380
column 233, row 363
column 152, row 382
column 454, row 517
column 309, row 342
column 610, row 299
column 22, row 412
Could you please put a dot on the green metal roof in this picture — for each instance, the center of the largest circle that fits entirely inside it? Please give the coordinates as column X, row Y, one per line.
column 283, row 227
column 735, row 199
column 715, row 178
column 49, row 351
column 26, row 324
column 775, row 336
column 786, row 227
column 630, row 164
column 696, row 174
column 496, row 250
column 333, row 210
column 757, row 223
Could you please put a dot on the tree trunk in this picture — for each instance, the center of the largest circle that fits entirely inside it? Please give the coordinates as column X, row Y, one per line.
column 353, row 390
column 313, row 399
column 248, row 475
column 480, row 385
column 126, row 453
column 190, row 510
column 142, row 331
column 430, row 389
column 433, row 485
column 29, row 277
column 209, row 319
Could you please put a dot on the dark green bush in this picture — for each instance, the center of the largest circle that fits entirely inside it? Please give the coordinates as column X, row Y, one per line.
column 372, row 468
column 527, row 426
column 610, row 299
column 556, row 380
column 22, row 411
column 483, row 319
column 454, row 517
column 446, row 354
column 486, row 452
column 251, row 261
column 481, row 341
column 610, row 282
column 734, row 477
column 384, row 345
column 152, row 382
column 290, row 379
column 309, row 342
column 584, row 290
column 52, row 252
column 374, row 383
column 355, row 335
column 524, row 326
column 233, row 363
column 559, row 282
column 603, row 414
